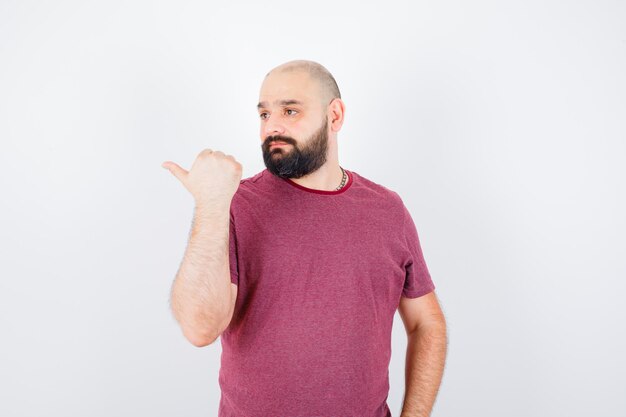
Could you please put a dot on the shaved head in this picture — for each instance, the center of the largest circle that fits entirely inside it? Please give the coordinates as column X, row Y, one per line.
column 300, row 106
column 328, row 89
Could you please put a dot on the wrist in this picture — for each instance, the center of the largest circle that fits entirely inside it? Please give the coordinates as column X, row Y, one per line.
column 212, row 208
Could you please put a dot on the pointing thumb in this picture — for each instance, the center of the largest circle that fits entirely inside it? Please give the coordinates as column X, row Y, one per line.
column 174, row 169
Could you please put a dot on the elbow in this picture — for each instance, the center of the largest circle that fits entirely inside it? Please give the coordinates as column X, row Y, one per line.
column 201, row 334
column 200, row 339
column 201, row 342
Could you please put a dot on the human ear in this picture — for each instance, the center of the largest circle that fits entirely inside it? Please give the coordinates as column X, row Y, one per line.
column 336, row 111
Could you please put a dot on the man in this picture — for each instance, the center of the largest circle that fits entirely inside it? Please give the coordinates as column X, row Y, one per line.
column 301, row 267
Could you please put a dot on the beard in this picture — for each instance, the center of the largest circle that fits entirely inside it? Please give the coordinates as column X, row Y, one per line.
column 291, row 161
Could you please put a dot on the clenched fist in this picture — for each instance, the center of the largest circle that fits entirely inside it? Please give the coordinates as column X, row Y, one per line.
column 214, row 177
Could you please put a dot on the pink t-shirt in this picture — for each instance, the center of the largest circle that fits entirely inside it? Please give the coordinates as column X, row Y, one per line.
column 320, row 275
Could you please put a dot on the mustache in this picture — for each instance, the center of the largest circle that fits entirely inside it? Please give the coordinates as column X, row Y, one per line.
column 279, row 138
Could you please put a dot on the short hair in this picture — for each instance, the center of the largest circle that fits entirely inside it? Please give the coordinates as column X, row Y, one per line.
column 329, row 90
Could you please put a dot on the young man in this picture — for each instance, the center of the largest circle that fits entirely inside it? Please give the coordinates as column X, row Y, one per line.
column 301, row 267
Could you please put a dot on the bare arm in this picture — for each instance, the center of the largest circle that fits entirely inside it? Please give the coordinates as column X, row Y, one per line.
column 202, row 298
column 426, row 351
column 201, row 293
column 425, row 355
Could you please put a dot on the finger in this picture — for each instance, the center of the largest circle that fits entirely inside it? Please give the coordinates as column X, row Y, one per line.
column 175, row 169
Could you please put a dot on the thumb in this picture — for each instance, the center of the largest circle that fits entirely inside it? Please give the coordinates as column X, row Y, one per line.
column 178, row 172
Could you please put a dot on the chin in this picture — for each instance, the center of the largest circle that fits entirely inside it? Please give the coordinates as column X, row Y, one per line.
column 277, row 151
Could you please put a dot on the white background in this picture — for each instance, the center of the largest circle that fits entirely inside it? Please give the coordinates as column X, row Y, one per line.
column 501, row 125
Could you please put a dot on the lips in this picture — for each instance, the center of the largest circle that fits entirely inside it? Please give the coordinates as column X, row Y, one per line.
column 277, row 143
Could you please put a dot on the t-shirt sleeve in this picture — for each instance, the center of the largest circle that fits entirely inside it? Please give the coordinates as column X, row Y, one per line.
column 417, row 281
column 232, row 253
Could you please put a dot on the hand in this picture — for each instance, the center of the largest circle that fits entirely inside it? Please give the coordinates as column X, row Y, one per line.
column 214, row 177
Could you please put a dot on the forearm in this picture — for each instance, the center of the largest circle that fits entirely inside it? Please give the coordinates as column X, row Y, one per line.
column 200, row 296
column 425, row 359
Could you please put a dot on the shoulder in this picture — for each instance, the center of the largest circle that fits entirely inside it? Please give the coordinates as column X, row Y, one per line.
column 249, row 184
column 381, row 191
column 383, row 198
column 247, row 191
column 250, row 181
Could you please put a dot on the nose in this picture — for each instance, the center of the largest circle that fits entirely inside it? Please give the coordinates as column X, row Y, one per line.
column 272, row 127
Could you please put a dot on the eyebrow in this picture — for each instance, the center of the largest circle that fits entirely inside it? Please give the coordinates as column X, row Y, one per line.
column 281, row 102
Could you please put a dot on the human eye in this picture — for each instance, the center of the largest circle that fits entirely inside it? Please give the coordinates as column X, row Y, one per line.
column 291, row 110
column 262, row 114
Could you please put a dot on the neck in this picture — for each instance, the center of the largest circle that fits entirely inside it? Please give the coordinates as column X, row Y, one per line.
column 326, row 178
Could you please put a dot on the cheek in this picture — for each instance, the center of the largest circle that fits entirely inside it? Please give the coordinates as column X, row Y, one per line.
column 262, row 133
column 298, row 128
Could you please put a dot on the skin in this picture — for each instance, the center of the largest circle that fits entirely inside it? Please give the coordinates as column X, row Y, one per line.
column 426, row 353
column 202, row 295
column 301, row 121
